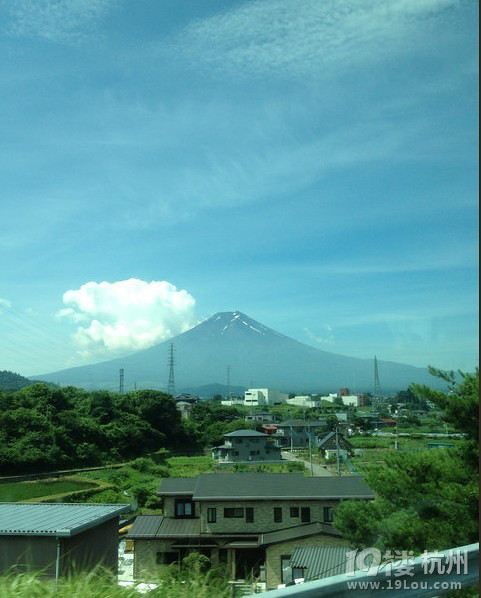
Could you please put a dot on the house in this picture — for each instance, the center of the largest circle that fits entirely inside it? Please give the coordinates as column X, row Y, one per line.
column 297, row 433
column 328, row 445
column 246, row 446
column 56, row 539
column 250, row 522
column 260, row 416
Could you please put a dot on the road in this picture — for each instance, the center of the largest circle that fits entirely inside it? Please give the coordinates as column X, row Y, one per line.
column 317, row 470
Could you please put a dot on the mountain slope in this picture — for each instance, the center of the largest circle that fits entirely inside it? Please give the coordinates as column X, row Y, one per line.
column 257, row 355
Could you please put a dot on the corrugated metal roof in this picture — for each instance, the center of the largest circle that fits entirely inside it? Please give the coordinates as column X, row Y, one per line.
column 54, row 519
column 157, row 526
column 320, row 561
column 273, row 486
column 178, row 485
column 298, row 531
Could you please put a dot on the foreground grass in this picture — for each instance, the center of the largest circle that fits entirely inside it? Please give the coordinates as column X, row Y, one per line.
column 95, row 585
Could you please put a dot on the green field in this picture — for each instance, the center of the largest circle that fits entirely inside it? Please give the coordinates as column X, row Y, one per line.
column 20, row 491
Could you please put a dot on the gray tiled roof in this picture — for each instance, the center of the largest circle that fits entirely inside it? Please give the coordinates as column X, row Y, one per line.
column 54, row 519
column 298, row 531
column 320, row 561
column 157, row 526
column 178, row 485
column 247, row 486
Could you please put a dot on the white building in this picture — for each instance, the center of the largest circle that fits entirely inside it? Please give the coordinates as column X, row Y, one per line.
column 232, row 402
column 263, row 396
column 304, row 401
column 331, row 397
column 350, row 400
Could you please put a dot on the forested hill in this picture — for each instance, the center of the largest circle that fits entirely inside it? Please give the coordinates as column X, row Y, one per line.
column 12, row 381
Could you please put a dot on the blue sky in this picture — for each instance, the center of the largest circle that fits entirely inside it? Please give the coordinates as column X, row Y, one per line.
column 311, row 163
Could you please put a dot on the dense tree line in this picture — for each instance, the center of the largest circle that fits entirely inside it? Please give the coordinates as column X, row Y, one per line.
column 44, row 428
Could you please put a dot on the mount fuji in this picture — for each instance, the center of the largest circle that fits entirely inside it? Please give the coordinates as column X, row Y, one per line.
column 257, row 356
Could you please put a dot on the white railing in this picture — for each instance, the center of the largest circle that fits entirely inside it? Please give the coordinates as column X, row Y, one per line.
column 425, row 578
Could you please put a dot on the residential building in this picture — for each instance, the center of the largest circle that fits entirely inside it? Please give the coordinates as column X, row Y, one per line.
column 297, row 433
column 243, row 446
column 254, row 397
column 57, row 539
column 260, row 416
column 328, row 445
column 250, row 522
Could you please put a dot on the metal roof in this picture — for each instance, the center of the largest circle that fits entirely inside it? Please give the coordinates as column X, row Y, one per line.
column 298, row 531
column 269, row 486
column 54, row 519
column 178, row 485
column 320, row 561
column 157, row 526
column 244, row 433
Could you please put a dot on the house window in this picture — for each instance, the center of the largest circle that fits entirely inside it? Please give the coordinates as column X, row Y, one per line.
column 166, row 558
column 231, row 513
column 328, row 515
column 277, row 514
column 286, row 571
column 211, row 515
column 305, row 514
column 298, row 573
column 294, row 511
column 184, row 509
column 252, row 452
column 249, row 515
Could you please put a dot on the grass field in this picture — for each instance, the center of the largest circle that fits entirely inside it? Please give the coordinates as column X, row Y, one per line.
column 21, row 491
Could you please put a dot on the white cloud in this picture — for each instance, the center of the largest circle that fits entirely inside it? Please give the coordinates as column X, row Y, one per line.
column 54, row 20
column 326, row 339
column 127, row 315
column 286, row 37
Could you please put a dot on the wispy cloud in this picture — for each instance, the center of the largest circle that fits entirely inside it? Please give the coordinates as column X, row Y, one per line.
column 286, row 37
column 64, row 21
column 327, row 337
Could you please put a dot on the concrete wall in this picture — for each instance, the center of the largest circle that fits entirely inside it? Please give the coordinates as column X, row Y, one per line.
column 263, row 515
column 276, row 551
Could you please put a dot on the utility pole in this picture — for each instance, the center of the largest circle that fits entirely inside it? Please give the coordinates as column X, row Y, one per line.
column 292, row 439
column 337, row 451
column 171, row 385
column 310, row 449
column 121, row 381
